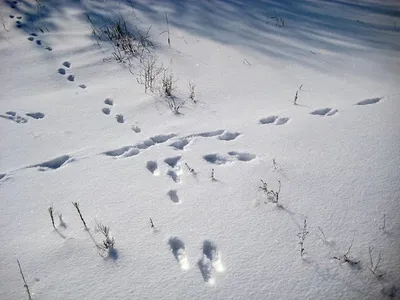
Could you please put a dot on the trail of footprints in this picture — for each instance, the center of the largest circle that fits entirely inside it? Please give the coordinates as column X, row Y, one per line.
column 13, row 116
column 107, row 110
column 65, row 69
column 209, row 263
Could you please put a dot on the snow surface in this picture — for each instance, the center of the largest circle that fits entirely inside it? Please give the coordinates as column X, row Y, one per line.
column 76, row 126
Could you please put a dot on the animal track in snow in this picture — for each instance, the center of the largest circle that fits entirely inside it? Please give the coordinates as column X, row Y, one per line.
column 152, row 166
column 39, row 42
column 324, row 112
column 369, row 101
column 174, row 175
column 36, row 115
column 205, row 268
column 136, row 128
column 12, row 115
column 71, row 77
column 176, row 169
column 106, row 110
column 83, row 86
column 62, row 71
column 49, row 48
column 67, row 64
column 219, row 159
column 2, row 176
column 173, row 161
column 109, row 101
column 211, row 252
column 157, row 139
column 127, row 150
column 178, row 250
column 242, row 156
column 53, row 164
column 31, row 38
column 222, row 134
column 173, row 195
column 228, row 135
column 209, row 261
column 216, row 159
column 120, row 118
column 274, row 120
column 180, row 144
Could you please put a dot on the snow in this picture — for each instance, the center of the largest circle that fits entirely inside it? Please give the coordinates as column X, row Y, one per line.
column 76, row 126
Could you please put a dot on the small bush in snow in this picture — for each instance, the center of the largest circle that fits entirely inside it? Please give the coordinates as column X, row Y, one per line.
column 167, row 84
column 302, row 236
column 127, row 41
column 109, row 241
column 272, row 195
column 345, row 258
column 192, row 94
column 374, row 266
column 149, row 73
column 174, row 104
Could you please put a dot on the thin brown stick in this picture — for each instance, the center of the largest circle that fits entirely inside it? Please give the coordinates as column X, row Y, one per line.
column 23, row 278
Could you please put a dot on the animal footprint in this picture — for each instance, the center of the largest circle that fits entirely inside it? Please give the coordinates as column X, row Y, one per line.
column 53, row 164
column 106, row 110
column 36, row 115
column 324, row 112
column 274, row 120
column 152, row 166
column 215, row 159
column 12, row 115
column 242, row 156
column 176, row 169
column 71, row 78
column 228, row 135
column 48, row 48
column 173, row 195
column 205, row 268
column 31, row 38
column 120, row 118
column 173, row 161
column 180, row 144
column 211, row 252
column 109, row 101
column 136, row 128
column 211, row 260
column 179, row 252
column 126, row 151
column 369, row 101
column 67, row 64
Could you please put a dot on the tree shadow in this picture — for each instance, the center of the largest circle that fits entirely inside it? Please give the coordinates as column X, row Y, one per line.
column 310, row 28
